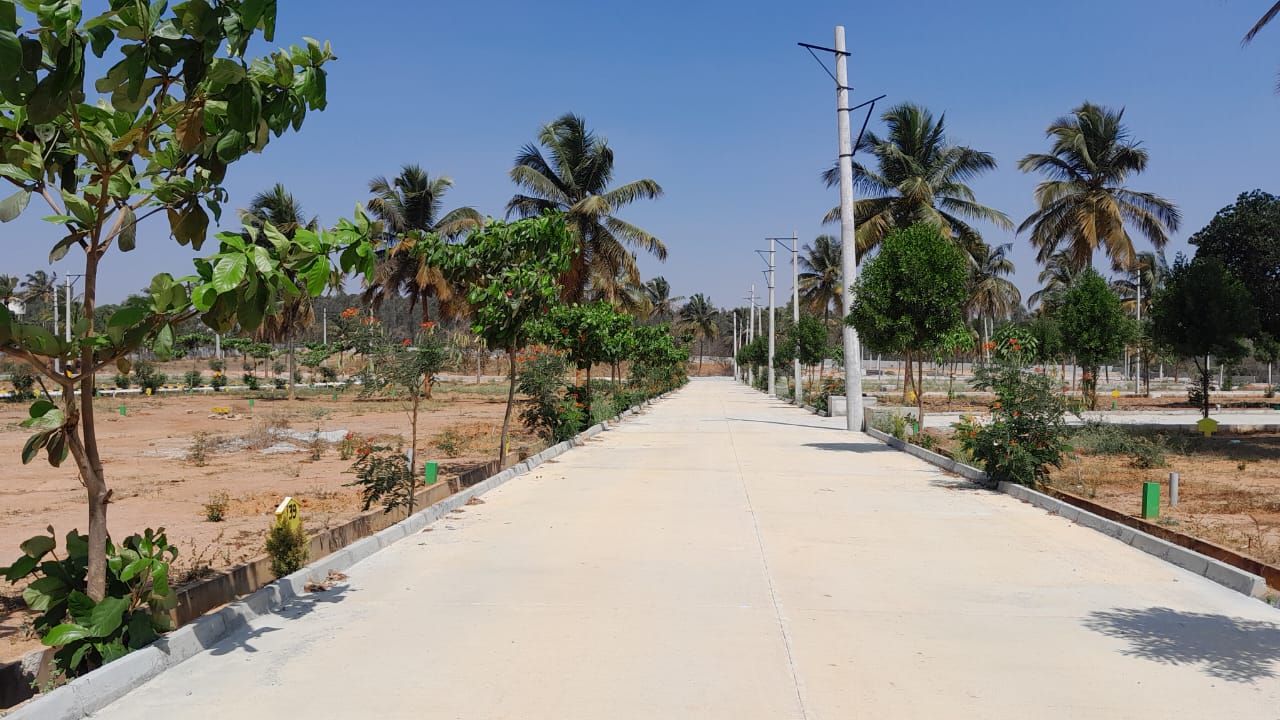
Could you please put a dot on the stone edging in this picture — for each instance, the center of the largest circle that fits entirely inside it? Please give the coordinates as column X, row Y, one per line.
column 92, row 692
column 1226, row 575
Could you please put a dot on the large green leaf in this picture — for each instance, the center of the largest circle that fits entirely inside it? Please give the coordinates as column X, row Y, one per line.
column 317, row 276
column 38, row 546
column 44, row 593
column 65, row 633
column 228, row 273
column 12, row 206
column 107, row 616
column 33, row 445
column 128, row 238
column 141, row 630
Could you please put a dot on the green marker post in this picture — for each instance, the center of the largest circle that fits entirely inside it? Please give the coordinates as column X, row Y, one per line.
column 1150, row 500
column 430, row 472
column 124, row 410
column 250, row 402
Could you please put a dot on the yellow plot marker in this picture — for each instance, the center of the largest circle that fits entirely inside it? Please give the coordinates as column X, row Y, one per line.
column 289, row 514
column 1208, row 426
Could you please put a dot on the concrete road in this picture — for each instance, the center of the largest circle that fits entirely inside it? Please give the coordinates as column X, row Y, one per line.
column 728, row 556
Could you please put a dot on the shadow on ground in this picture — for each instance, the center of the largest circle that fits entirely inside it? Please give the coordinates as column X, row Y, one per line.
column 241, row 635
column 1227, row 648
column 776, row 422
column 866, row 447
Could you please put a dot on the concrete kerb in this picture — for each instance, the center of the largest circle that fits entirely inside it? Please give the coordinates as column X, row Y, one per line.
column 89, row 693
column 1226, row 575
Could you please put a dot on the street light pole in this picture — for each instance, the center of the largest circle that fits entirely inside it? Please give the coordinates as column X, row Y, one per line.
column 798, row 396
column 773, row 391
column 735, row 344
column 849, row 248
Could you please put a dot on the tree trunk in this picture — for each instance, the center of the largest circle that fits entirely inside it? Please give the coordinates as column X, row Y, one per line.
column 920, row 394
column 413, row 452
column 907, row 380
column 88, row 460
column 1206, row 377
column 511, row 395
column 292, row 367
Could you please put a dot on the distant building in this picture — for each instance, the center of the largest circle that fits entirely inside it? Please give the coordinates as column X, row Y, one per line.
column 16, row 305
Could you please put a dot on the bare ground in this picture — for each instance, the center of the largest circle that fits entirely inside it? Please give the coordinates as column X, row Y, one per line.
column 147, row 457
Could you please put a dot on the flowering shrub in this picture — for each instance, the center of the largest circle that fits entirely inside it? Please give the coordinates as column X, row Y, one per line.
column 547, row 408
column 1025, row 436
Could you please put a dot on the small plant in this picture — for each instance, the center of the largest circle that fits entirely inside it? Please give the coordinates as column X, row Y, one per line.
column 352, row 444
column 924, row 440
column 1269, row 392
column 449, row 442
column 250, row 381
column 217, row 365
column 327, row 374
column 215, row 510
column 384, row 475
column 22, row 379
column 289, row 547
column 90, row 634
column 218, row 382
column 317, row 445
column 122, row 381
column 202, row 445
column 279, row 383
column 193, row 379
column 148, row 377
column 550, row 410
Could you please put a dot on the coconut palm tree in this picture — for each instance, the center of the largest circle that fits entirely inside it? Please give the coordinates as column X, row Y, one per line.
column 571, row 172
column 661, row 301
column 40, row 290
column 410, row 205
column 1149, row 273
column 992, row 296
column 1266, row 18
column 280, row 208
column 9, row 285
column 628, row 297
column 699, row 317
column 1083, row 205
column 820, row 273
column 1057, row 276
column 919, row 178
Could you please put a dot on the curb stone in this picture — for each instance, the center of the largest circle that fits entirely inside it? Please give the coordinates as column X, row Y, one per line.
column 1226, row 575
column 89, row 693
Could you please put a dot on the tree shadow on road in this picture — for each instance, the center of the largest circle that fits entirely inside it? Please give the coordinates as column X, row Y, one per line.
column 1227, row 648
column 867, row 447
column 776, row 422
column 240, row 634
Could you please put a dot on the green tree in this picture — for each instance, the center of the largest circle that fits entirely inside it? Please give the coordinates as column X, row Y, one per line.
column 1203, row 311
column 512, row 270
column 1056, row 276
column 178, row 103
column 909, row 296
column 699, row 317
column 920, row 179
column 1084, row 204
column 412, row 205
column 805, row 341
column 1094, row 327
column 573, row 176
column 820, row 273
column 586, row 334
column 1245, row 236
column 662, row 303
column 280, row 208
column 992, row 296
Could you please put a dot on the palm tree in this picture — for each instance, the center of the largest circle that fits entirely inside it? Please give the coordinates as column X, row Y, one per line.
column 409, row 205
column 1266, row 18
column 573, row 177
column 9, row 285
column 1149, row 273
column 662, row 303
column 628, row 297
column 1057, row 276
column 1084, row 205
column 992, row 295
column 280, row 208
column 820, row 273
column 40, row 290
column 699, row 317
column 920, row 178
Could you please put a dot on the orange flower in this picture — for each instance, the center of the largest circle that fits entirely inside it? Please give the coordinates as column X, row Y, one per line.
column 349, row 313
column 428, row 325
column 406, row 342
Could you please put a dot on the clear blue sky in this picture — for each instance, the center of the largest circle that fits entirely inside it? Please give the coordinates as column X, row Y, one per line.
column 715, row 101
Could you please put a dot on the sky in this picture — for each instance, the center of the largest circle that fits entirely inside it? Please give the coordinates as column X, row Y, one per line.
column 716, row 102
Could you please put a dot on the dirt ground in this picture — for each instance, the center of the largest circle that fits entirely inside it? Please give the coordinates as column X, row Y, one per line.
column 1229, row 489
column 251, row 458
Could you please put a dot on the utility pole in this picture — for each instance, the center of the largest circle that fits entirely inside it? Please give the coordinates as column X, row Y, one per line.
column 798, row 397
column 57, row 364
column 751, row 335
column 773, row 391
column 849, row 249
column 735, row 344
column 324, row 327
column 1137, row 377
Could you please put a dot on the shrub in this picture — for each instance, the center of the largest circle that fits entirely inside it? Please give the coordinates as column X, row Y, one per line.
column 384, row 475
column 23, row 380
column 1107, row 439
column 218, row 382
column 549, row 409
column 202, row 443
column 215, row 510
column 193, row 379
column 327, row 374
column 1025, row 435
column 90, row 634
column 289, row 548
column 122, row 381
column 250, row 381
column 217, row 365
column 1269, row 392
column 147, row 376
column 449, row 442
column 279, row 383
